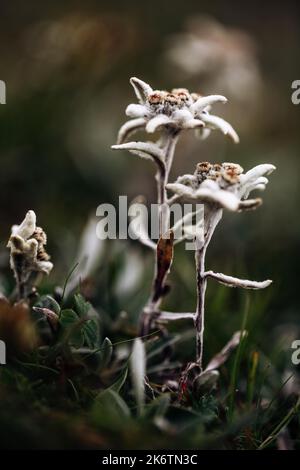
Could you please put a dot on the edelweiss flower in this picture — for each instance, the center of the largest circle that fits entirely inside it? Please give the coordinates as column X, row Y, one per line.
column 27, row 252
column 178, row 110
column 226, row 185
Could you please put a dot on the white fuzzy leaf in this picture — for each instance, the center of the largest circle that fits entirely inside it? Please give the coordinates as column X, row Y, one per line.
column 27, row 227
column 236, row 282
column 170, row 316
column 139, row 228
column 136, row 111
column 141, row 89
column 146, row 150
column 129, row 128
column 249, row 180
column 138, row 372
column 157, row 121
column 205, row 101
column 215, row 122
column 193, row 124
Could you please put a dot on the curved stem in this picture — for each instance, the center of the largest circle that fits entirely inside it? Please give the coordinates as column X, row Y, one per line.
column 200, row 310
column 169, row 144
column 162, row 178
column 212, row 216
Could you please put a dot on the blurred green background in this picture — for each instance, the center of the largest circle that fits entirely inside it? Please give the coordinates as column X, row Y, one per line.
column 67, row 67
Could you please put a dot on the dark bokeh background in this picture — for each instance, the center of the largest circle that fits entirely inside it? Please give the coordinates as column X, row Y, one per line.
column 67, row 67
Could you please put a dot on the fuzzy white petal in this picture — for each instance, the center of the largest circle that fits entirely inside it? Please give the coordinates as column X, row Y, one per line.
column 136, row 110
column 181, row 190
column 215, row 122
column 205, row 101
column 157, row 121
column 186, row 179
column 225, row 199
column 141, row 89
column 182, row 116
column 140, row 229
column 203, row 133
column 129, row 128
column 260, row 170
column 250, row 204
column 259, row 184
column 209, row 192
column 147, row 150
column 193, row 124
column 27, row 227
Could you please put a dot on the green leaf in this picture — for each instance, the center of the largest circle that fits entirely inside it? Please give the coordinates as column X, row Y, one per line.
column 106, row 352
column 118, row 384
column 82, row 307
column 159, row 406
column 71, row 328
column 46, row 301
column 90, row 329
column 110, row 410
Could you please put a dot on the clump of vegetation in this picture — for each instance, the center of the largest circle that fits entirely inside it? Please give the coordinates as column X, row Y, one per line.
column 78, row 375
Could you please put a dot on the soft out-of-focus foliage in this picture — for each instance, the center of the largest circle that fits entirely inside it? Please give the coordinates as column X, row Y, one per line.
column 67, row 68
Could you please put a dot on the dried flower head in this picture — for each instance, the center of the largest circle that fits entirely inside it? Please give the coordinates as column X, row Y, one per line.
column 226, row 185
column 28, row 256
column 177, row 110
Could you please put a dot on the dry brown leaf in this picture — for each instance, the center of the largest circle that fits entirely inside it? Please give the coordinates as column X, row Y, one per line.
column 164, row 261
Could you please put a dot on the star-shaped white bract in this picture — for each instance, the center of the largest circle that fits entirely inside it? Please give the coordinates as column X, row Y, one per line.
column 176, row 110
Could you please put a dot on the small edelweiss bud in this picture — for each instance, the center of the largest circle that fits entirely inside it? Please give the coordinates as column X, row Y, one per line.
column 231, row 172
column 28, row 256
column 172, row 99
column 233, row 166
column 179, row 91
column 202, row 171
column 203, row 167
column 215, row 172
column 217, row 167
column 157, row 97
column 182, row 94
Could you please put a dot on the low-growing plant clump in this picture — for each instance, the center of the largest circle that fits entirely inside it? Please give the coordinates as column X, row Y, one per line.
column 80, row 375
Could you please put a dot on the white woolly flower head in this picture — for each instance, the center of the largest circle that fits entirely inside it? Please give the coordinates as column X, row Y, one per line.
column 27, row 253
column 225, row 185
column 177, row 110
